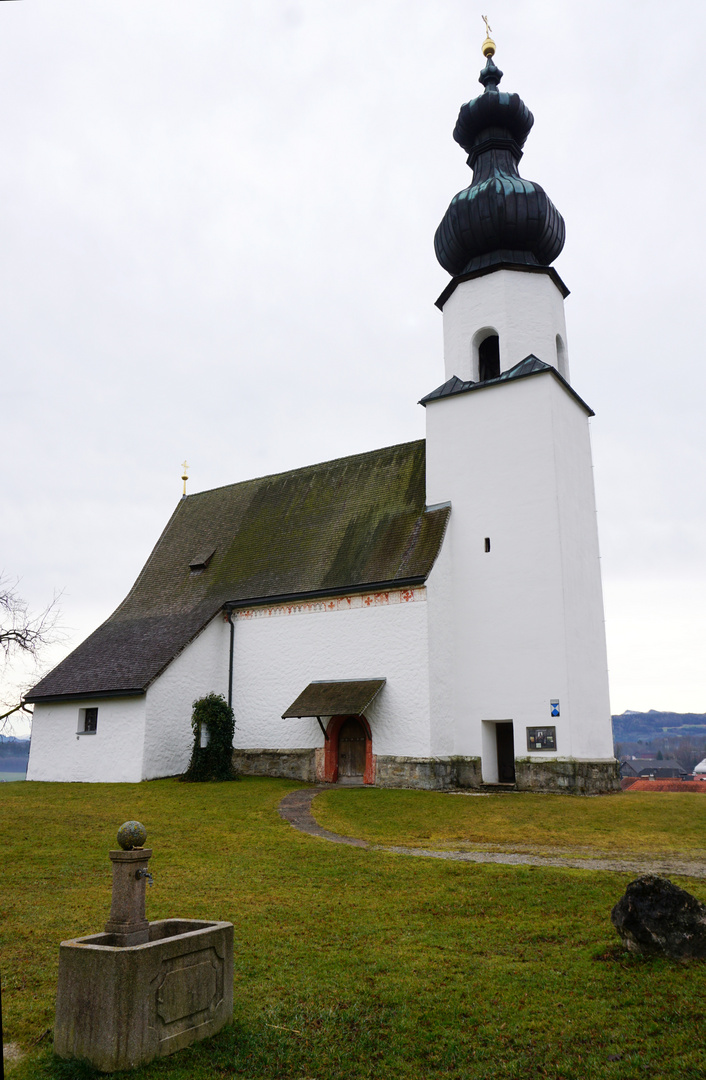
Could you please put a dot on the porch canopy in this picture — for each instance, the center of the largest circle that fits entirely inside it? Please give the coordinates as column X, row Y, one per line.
column 347, row 697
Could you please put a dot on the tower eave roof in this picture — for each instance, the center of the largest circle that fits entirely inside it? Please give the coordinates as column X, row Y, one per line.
column 501, row 265
column 531, row 365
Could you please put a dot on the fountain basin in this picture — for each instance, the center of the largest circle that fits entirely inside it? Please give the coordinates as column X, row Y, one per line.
column 119, row 1006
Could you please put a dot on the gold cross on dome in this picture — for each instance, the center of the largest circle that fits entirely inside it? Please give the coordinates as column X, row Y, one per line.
column 488, row 46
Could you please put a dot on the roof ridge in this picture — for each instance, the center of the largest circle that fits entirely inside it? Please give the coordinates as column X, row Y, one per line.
column 302, row 469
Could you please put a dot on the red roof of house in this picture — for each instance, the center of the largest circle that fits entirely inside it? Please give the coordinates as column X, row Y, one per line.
column 667, row 785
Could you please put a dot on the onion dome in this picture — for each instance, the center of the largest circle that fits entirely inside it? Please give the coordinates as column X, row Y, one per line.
column 500, row 218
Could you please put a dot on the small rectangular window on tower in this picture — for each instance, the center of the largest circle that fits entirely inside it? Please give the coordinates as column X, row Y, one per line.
column 487, row 543
column 88, row 721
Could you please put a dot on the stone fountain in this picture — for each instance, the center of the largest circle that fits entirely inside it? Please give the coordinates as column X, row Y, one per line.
column 141, row 990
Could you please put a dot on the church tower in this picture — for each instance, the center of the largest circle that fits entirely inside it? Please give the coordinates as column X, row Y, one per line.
column 520, row 680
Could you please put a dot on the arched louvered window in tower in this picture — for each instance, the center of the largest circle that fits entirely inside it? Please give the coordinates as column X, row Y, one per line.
column 489, row 358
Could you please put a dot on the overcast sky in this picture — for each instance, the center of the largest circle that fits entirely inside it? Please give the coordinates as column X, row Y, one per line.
column 216, row 227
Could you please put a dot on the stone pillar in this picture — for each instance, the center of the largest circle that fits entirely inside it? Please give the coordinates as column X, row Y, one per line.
column 127, row 922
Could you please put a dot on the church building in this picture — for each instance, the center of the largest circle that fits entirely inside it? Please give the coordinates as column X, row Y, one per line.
column 425, row 615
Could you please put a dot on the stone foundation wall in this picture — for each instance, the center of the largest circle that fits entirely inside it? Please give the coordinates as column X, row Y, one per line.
column 574, row 777
column 430, row 774
column 289, row 764
column 439, row 774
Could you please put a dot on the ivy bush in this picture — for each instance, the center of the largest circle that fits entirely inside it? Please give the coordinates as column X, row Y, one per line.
column 214, row 761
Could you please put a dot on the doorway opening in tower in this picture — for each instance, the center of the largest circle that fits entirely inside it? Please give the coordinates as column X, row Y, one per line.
column 489, row 358
column 498, row 760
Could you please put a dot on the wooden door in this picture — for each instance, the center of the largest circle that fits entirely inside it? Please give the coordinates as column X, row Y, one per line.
column 506, row 753
column 351, row 748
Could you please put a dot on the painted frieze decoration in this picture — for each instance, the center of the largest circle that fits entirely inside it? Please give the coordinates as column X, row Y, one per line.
column 336, row 603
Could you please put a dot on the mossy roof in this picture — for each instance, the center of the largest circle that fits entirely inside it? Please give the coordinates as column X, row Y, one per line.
column 348, row 524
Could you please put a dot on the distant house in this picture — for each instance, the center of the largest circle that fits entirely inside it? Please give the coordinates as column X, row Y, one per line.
column 651, row 768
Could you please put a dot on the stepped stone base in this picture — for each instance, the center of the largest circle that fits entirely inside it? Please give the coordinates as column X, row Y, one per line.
column 439, row 773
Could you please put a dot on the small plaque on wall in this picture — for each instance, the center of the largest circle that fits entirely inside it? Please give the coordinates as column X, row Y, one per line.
column 541, row 738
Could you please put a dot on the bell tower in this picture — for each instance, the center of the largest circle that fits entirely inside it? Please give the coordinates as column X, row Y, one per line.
column 498, row 239
column 521, row 685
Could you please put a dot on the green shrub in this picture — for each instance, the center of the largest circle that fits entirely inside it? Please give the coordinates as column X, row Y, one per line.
column 214, row 761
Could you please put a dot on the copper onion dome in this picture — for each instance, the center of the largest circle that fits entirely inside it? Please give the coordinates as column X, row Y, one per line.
column 500, row 218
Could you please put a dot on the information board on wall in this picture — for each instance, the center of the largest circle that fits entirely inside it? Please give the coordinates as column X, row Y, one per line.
column 541, row 738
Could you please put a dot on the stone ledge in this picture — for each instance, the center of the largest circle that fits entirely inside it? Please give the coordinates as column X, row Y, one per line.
column 569, row 775
column 430, row 774
column 298, row 764
column 438, row 773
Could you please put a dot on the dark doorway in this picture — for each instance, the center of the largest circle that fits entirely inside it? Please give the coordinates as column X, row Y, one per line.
column 506, row 753
column 351, row 749
column 489, row 358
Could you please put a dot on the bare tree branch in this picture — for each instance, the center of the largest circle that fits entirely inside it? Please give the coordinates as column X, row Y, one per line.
column 23, row 635
column 19, row 629
column 16, row 708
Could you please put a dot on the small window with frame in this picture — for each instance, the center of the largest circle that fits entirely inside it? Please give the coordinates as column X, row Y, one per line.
column 88, row 721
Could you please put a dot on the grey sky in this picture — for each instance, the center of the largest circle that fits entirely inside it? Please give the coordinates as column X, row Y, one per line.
column 216, row 225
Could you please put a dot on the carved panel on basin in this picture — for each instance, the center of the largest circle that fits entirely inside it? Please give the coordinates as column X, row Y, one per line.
column 187, row 992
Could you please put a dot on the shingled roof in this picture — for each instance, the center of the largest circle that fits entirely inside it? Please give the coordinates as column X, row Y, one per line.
column 354, row 523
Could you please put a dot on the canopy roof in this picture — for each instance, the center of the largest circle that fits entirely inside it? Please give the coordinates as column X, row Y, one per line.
column 347, row 697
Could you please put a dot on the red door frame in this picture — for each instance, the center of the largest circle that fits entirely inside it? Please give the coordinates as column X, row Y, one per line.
column 331, row 750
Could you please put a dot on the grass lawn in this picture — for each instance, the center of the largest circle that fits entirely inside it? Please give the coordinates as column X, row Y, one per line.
column 640, row 823
column 352, row 963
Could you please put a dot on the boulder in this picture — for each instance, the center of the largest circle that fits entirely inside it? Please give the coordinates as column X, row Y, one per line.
column 655, row 916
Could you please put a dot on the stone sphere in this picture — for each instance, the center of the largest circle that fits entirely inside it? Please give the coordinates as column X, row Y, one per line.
column 131, row 835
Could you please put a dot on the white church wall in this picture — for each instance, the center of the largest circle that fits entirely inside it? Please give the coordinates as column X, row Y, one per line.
column 506, row 457
column 440, row 603
column 111, row 754
column 278, row 651
column 525, row 310
column 202, row 668
column 586, row 655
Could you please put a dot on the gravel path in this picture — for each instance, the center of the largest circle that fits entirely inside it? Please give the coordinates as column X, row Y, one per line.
column 296, row 809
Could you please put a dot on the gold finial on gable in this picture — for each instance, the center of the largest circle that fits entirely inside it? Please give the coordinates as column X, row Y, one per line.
column 185, row 477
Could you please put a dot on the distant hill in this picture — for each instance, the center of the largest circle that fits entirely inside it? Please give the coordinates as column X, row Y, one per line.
column 631, row 726
column 14, row 754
